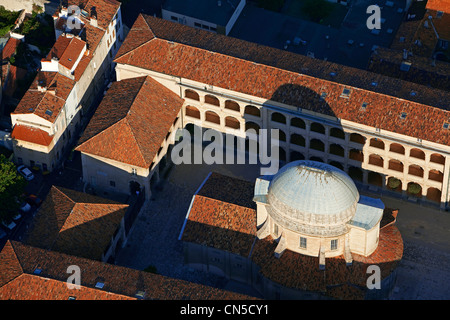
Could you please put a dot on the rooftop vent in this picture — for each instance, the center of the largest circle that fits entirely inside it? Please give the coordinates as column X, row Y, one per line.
column 446, row 125
column 364, row 106
column 49, row 112
column 37, row 271
column 405, row 66
column 403, row 115
column 99, row 285
column 345, row 93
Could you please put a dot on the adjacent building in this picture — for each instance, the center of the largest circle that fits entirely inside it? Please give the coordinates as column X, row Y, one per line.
column 389, row 135
column 303, row 233
column 216, row 16
column 73, row 74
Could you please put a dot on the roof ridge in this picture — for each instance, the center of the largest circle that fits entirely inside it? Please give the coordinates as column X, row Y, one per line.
column 13, row 249
column 218, row 200
column 137, row 143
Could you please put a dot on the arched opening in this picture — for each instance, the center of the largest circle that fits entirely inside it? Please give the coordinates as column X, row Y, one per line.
column 318, row 159
column 191, row 94
column 337, row 133
column 212, row 117
column 295, row 155
column 356, row 154
column 394, row 184
column 251, row 125
column 337, row 150
column 298, row 123
column 434, row 194
column 233, row 123
column 297, row 140
column 436, row 175
column 253, row 111
column 415, row 170
column 355, row 173
column 397, row 148
column 396, row 165
column 377, row 143
column 417, row 153
column 376, row 160
column 135, row 187
column 281, row 135
column 278, row 117
column 209, row 99
column 375, row 179
column 437, row 158
column 192, row 112
column 357, row 138
column 316, row 144
column 317, row 127
column 414, row 189
column 337, row 165
column 232, row 105
column 282, row 154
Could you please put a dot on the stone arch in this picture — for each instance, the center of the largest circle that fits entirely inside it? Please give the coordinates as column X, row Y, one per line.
column 252, row 125
column 376, row 160
column 414, row 189
column 281, row 135
column 435, row 175
column 357, row 138
column 232, row 105
column 337, row 133
column 212, row 117
column 415, row 170
column 232, row 122
column 396, row 165
column 356, row 154
column 298, row 123
column 252, row 110
column 437, row 158
column 298, row 140
column 394, row 184
column 434, row 194
column 315, row 158
column 317, row 127
column 191, row 94
column 397, row 148
column 317, row 144
column 337, row 165
column 337, row 150
column 375, row 178
column 278, row 117
column 212, row 100
column 192, row 112
column 417, row 153
column 377, row 143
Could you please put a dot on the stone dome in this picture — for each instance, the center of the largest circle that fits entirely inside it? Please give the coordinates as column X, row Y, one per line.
column 313, row 198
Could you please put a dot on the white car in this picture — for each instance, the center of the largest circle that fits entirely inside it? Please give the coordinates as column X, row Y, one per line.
column 10, row 226
column 25, row 172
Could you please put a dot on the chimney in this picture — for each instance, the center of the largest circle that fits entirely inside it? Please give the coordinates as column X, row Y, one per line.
column 93, row 17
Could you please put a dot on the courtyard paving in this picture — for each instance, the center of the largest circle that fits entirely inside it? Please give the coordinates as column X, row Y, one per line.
column 423, row 273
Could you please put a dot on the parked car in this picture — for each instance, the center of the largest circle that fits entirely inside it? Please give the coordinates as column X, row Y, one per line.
column 25, row 172
column 2, row 234
column 25, row 207
column 17, row 217
column 33, row 200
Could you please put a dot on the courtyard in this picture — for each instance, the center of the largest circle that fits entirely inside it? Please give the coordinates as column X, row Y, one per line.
column 154, row 243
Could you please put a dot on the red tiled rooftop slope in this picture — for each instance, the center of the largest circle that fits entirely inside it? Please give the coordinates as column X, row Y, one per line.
column 75, row 223
column 439, row 5
column 131, row 122
column 10, row 48
column 17, row 281
column 285, row 77
column 33, row 135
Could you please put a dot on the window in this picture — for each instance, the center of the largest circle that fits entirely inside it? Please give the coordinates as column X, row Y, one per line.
column 323, row 95
column 72, row 298
column 20, row 160
column 112, row 183
column 198, row 25
column 334, row 244
column 446, row 125
column 302, row 243
column 37, row 271
column 99, row 285
column 345, row 93
column 134, row 171
column 439, row 14
column 174, row 18
column 403, row 115
column 364, row 106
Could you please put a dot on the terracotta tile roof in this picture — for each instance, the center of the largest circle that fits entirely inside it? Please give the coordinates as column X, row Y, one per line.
column 285, row 77
column 18, row 281
column 72, row 52
column 48, row 104
column 232, row 228
column 75, row 223
column 131, row 122
column 441, row 24
column 439, row 5
column 10, row 48
column 10, row 77
column 31, row 134
column 106, row 9
column 59, row 47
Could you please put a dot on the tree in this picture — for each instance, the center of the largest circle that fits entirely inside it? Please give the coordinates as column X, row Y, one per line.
column 12, row 186
column 317, row 9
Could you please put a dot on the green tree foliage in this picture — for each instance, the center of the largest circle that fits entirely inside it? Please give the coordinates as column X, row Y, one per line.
column 414, row 188
column 394, row 183
column 7, row 19
column 273, row 5
column 12, row 186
